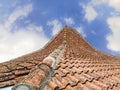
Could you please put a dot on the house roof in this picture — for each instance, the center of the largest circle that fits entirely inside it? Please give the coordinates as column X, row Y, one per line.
column 67, row 62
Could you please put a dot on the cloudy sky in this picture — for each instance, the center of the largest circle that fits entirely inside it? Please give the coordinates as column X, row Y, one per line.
column 27, row 25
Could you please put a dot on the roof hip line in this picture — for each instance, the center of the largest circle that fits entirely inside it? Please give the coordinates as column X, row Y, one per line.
column 43, row 72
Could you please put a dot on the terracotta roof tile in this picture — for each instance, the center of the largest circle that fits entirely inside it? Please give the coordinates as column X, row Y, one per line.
column 21, row 72
column 100, row 84
column 72, row 65
column 59, row 83
column 92, row 86
column 53, row 85
column 7, row 83
column 62, row 81
column 47, row 88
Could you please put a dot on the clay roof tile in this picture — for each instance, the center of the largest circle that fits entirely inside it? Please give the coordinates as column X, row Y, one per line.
column 67, row 62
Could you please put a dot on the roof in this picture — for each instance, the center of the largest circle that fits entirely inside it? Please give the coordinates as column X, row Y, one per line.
column 67, row 62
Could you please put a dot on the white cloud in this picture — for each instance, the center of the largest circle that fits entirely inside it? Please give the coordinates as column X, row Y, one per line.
column 33, row 27
column 69, row 21
column 56, row 26
column 81, row 31
column 97, row 2
column 18, row 13
column 7, row 88
column 114, row 38
column 22, row 40
column 115, row 4
column 90, row 13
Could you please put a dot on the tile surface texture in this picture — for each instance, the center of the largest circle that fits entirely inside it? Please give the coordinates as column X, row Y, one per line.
column 82, row 67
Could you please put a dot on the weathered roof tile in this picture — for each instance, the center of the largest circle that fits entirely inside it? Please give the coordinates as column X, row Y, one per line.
column 76, row 66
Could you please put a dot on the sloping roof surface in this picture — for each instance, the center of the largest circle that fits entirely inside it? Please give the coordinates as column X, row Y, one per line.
column 81, row 67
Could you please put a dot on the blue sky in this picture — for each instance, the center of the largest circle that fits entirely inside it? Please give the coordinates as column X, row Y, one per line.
column 27, row 25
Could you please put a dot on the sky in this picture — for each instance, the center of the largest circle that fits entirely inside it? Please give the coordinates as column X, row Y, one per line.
column 27, row 25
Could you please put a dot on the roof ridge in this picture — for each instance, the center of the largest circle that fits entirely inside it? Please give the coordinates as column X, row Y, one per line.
column 43, row 71
column 64, row 29
column 76, row 62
